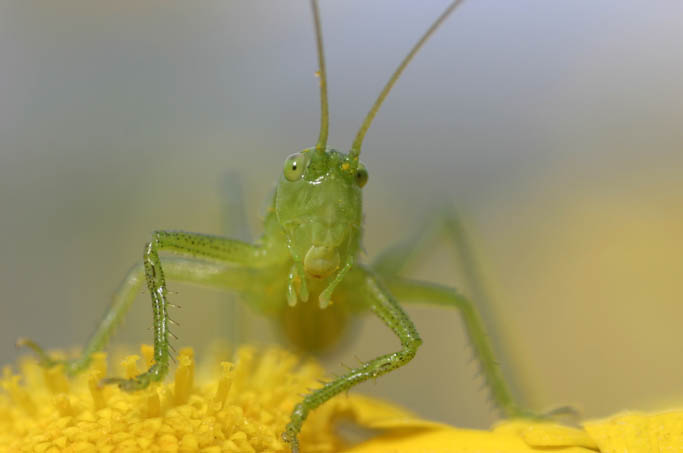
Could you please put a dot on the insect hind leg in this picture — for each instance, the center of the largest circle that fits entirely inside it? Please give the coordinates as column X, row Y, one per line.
column 387, row 309
column 123, row 298
column 444, row 223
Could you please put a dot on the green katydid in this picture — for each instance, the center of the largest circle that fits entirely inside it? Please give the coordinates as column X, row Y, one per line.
column 304, row 269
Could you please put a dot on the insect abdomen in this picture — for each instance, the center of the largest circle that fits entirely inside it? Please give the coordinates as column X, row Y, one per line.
column 312, row 329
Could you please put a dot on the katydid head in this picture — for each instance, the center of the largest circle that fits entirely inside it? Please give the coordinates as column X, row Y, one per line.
column 318, row 198
column 318, row 204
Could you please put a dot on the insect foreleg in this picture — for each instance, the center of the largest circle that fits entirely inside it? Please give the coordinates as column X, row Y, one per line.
column 221, row 263
column 189, row 244
column 417, row 291
column 388, row 310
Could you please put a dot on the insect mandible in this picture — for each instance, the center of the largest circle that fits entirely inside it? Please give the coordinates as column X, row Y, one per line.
column 304, row 266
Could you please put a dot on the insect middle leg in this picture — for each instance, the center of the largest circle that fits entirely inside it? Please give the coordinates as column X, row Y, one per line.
column 225, row 263
column 392, row 262
column 414, row 291
column 379, row 301
column 418, row 291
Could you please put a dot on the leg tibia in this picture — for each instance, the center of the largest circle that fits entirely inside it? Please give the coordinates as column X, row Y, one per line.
column 121, row 301
column 386, row 308
column 189, row 244
column 226, row 268
column 372, row 369
column 417, row 291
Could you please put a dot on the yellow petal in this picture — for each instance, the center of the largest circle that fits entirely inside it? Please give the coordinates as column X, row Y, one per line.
column 638, row 433
column 243, row 406
column 452, row 440
column 547, row 435
column 376, row 414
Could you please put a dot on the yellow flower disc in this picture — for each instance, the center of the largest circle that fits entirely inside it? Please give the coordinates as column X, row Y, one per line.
column 231, row 407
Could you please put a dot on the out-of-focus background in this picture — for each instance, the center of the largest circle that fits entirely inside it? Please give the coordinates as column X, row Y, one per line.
column 554, row 127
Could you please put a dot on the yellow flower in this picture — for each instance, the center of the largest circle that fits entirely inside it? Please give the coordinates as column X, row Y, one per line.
column 244, row 406
column 235, row 407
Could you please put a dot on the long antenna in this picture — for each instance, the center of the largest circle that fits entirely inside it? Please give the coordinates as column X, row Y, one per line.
column 322, row 76
column 358, row 141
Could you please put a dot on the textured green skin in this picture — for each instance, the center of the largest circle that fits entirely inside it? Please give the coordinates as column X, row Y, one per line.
column 303, row 271
column 323, row 206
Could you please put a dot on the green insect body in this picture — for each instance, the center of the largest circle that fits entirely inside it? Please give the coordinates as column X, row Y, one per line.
column 304, row 271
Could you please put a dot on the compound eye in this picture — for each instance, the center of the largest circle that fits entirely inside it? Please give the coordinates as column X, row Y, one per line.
column 295, row 166
column 361, row 174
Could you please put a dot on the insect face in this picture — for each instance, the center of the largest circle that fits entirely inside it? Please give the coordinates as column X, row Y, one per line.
column 318, row 205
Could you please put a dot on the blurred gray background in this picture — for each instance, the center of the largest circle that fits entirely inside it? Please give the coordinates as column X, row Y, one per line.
column 554, row 127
